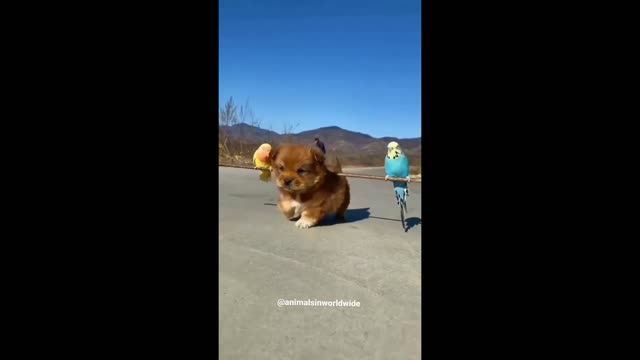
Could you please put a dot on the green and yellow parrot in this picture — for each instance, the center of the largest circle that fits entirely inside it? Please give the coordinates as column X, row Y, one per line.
column 261, row 161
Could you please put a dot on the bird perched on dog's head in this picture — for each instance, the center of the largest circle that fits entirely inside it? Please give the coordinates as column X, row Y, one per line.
column 262, row 161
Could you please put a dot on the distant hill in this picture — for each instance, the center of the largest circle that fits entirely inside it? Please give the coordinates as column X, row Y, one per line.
column 353, row 148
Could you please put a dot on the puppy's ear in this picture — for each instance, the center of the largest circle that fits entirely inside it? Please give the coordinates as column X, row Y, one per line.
column 273, row 154
column 317, row 155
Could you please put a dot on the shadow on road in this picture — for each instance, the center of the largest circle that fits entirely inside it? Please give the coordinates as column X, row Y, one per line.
column 411, row 222
column 354, row 215
column 351, row 216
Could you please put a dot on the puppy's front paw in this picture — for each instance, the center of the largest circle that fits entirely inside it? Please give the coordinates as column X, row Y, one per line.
column 304, row 223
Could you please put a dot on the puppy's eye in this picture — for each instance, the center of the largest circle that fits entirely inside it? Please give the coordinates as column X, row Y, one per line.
column 302, row 171
column 281, row 168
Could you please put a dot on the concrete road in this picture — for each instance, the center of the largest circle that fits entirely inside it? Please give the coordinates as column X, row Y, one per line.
column 368, row 259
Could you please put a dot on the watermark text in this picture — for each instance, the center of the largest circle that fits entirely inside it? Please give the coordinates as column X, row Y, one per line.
column 319, row 303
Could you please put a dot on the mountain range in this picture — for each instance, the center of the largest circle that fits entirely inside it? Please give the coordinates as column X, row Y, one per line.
column 352, row 147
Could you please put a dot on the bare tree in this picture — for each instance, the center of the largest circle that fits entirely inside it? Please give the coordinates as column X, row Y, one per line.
column 227, row 117
column 270, row 138
column 235, row 147
column 229, row 113
column 287, row 131
column 247, row 116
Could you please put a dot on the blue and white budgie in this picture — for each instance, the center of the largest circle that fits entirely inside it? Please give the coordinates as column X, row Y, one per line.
column 396, row 165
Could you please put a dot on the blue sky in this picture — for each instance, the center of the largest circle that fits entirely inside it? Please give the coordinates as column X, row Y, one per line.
column 351, row 63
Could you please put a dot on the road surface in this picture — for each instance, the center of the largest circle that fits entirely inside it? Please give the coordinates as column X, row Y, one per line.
column 368, row 259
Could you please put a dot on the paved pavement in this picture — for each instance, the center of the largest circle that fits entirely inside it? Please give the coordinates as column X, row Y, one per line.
column 369, row 259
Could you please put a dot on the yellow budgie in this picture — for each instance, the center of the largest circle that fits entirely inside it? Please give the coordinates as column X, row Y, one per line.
column 261, row 161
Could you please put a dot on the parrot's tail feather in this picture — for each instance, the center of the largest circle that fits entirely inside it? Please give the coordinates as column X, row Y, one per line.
column 400, row 191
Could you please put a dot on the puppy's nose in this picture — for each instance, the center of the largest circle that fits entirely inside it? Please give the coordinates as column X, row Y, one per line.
column 288, row 182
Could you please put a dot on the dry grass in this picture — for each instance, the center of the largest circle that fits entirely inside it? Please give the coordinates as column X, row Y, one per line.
column 241, row 153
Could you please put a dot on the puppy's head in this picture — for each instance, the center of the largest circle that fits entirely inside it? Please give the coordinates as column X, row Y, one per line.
column 298, row 168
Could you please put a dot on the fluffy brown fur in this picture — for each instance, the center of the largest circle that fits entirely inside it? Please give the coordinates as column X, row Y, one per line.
column 308, row 188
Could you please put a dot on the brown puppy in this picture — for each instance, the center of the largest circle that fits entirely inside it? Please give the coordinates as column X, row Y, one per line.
column 308, row 189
